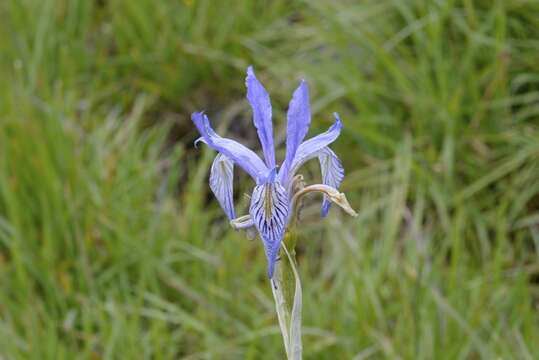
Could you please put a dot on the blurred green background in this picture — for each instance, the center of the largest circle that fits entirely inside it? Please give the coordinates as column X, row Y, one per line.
column 112, row 247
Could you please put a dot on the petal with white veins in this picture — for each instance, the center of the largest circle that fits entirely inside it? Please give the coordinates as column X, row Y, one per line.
column 332, row 174
column 221, row 183
column 269, row 212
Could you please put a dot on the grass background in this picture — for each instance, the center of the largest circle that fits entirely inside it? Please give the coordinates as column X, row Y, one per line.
column 111, row 246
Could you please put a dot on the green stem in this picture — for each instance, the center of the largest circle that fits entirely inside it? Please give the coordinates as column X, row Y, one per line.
column 286, row 288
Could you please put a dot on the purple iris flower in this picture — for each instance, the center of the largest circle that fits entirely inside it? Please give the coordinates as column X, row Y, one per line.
column 271, row 200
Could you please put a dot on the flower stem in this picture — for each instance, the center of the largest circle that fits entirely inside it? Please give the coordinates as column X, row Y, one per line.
column 286, row 288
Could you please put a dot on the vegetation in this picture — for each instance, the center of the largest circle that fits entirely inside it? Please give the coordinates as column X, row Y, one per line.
column 111, row 246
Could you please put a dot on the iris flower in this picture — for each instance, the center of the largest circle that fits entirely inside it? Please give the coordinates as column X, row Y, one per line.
column 273, row 198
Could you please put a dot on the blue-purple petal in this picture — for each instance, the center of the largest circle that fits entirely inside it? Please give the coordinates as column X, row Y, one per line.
column 298, row 121
column 238, row 153
column 332, row 174
column 269, row 212
column 221, row 183
column 310, row 148
column 260, row 103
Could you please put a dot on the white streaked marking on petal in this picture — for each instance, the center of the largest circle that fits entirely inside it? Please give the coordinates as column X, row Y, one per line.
column 269, row 212
column 221, row 183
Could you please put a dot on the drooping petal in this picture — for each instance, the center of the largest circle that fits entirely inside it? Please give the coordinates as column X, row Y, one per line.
column 221, row 183
column 269, row 211
column 332, row 174
column 260, row 103
column 310, row 148
column 298, row 121
column 239, row 154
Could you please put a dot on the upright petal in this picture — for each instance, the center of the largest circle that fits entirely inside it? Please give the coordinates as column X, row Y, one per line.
column 233, row 150
column 221, row 183
column 332, row 174
column 260, row 103
column 310, row 148
column 269, row 211
column 298, row 121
